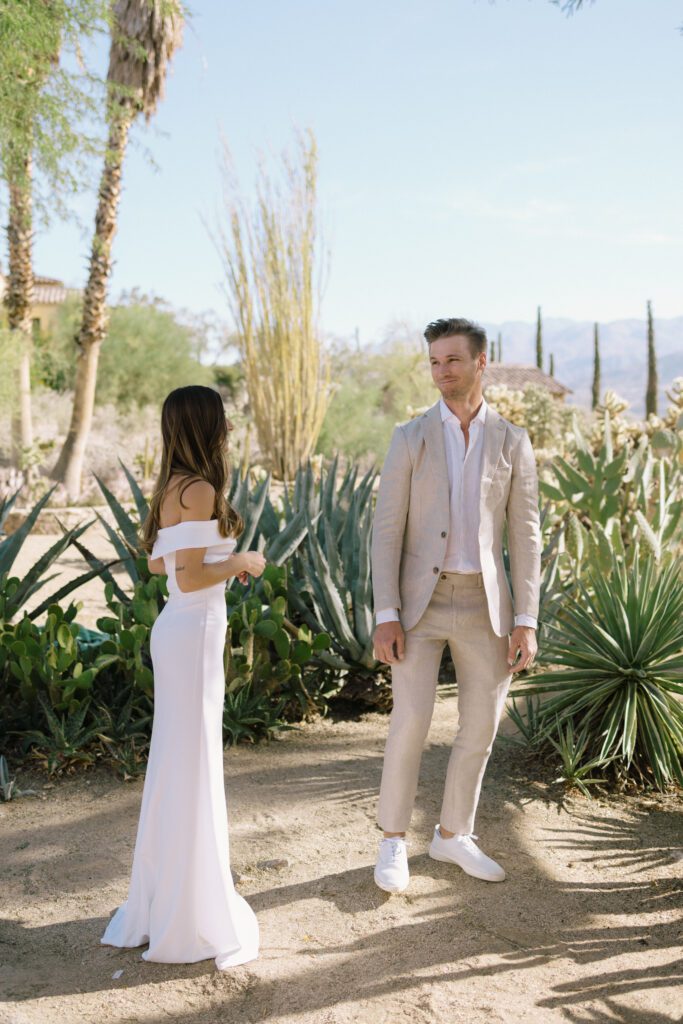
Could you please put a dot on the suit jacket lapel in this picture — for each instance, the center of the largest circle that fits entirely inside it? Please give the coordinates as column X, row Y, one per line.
column 494, row 435
column 436, row 453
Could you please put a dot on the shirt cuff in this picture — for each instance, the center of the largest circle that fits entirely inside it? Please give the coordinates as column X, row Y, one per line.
column 526, row 620
column 387, row 615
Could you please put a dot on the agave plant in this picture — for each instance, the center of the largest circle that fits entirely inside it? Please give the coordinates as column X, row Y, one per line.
column 616, row 651
column 331, row 584
column 65, row 742
column 250, row 716
column 14, row 592
column 124, row 733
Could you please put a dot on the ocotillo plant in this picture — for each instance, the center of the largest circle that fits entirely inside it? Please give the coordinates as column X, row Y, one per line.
column 270, row 255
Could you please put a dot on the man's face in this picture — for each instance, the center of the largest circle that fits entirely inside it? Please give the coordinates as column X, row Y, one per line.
column 454, row 369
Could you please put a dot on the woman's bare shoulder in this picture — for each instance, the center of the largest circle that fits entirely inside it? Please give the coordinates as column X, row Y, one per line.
column 198, row 498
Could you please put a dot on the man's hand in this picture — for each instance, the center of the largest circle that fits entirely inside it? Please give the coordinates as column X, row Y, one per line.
column 522, row 639
column 389, row 642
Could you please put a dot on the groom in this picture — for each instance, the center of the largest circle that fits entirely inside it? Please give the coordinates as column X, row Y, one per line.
column 451, row 479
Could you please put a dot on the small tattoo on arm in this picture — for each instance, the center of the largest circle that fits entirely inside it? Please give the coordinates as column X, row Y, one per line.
column 179, row 568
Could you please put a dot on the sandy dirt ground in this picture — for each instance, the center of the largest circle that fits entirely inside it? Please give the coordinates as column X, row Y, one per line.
column 585, row 928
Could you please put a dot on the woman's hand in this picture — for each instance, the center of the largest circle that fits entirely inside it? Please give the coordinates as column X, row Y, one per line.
column 251, row 563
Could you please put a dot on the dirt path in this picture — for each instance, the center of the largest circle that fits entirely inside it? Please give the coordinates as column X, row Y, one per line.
column 584, row 928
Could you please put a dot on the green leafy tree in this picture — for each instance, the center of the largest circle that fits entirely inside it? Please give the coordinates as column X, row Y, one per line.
column 373, row 392
column 42, row 108
column 142, row 332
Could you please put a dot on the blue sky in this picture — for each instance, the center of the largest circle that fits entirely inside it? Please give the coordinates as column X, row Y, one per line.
column 476, row 158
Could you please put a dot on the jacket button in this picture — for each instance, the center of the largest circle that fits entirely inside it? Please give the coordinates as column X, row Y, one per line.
column 443, row 533
column 436, row 568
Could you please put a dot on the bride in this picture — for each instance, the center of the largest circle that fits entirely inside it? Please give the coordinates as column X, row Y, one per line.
column 181, row 898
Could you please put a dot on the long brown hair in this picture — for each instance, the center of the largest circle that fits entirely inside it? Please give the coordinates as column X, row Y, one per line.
column 194, row 433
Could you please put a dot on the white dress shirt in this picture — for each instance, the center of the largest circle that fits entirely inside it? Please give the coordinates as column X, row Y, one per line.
column 464, row 478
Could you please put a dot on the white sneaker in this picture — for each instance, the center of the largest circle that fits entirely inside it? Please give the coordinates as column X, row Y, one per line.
column 391, row 869
column 463, row 851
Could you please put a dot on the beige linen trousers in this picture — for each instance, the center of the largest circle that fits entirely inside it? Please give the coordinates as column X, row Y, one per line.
column 473, row 613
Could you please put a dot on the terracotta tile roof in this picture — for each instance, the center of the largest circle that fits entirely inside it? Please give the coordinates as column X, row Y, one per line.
column 517, row 377
column 47, row 291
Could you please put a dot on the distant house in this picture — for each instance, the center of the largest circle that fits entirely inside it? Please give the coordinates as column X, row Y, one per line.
column 516, row 378
column 48, row 295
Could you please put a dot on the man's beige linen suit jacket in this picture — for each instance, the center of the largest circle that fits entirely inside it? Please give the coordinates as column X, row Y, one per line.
column 412, row 520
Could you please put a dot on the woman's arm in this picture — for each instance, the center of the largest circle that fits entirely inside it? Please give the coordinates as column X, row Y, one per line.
column 191, row 572
column 156, row 566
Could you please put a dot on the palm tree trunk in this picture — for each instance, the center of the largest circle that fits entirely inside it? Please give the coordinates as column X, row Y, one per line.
column 19, row 300
column 69, row 466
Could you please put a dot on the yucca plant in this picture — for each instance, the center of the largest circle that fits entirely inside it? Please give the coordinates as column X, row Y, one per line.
column 527, row 721
column 616, row 650
column 572, row 748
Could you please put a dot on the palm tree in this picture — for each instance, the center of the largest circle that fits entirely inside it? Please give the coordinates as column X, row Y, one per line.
column 145, row 35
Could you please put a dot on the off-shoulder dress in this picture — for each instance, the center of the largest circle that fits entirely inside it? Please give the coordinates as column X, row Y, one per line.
column 181, row 897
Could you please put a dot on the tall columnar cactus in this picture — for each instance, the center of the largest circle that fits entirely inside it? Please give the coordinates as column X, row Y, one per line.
column 499, row 357
column 492, row 351
column 551, row 368
column 595, row 397
column 539, row 339
column 651, row 393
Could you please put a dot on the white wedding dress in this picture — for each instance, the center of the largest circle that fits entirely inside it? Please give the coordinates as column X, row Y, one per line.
column 181, row 898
